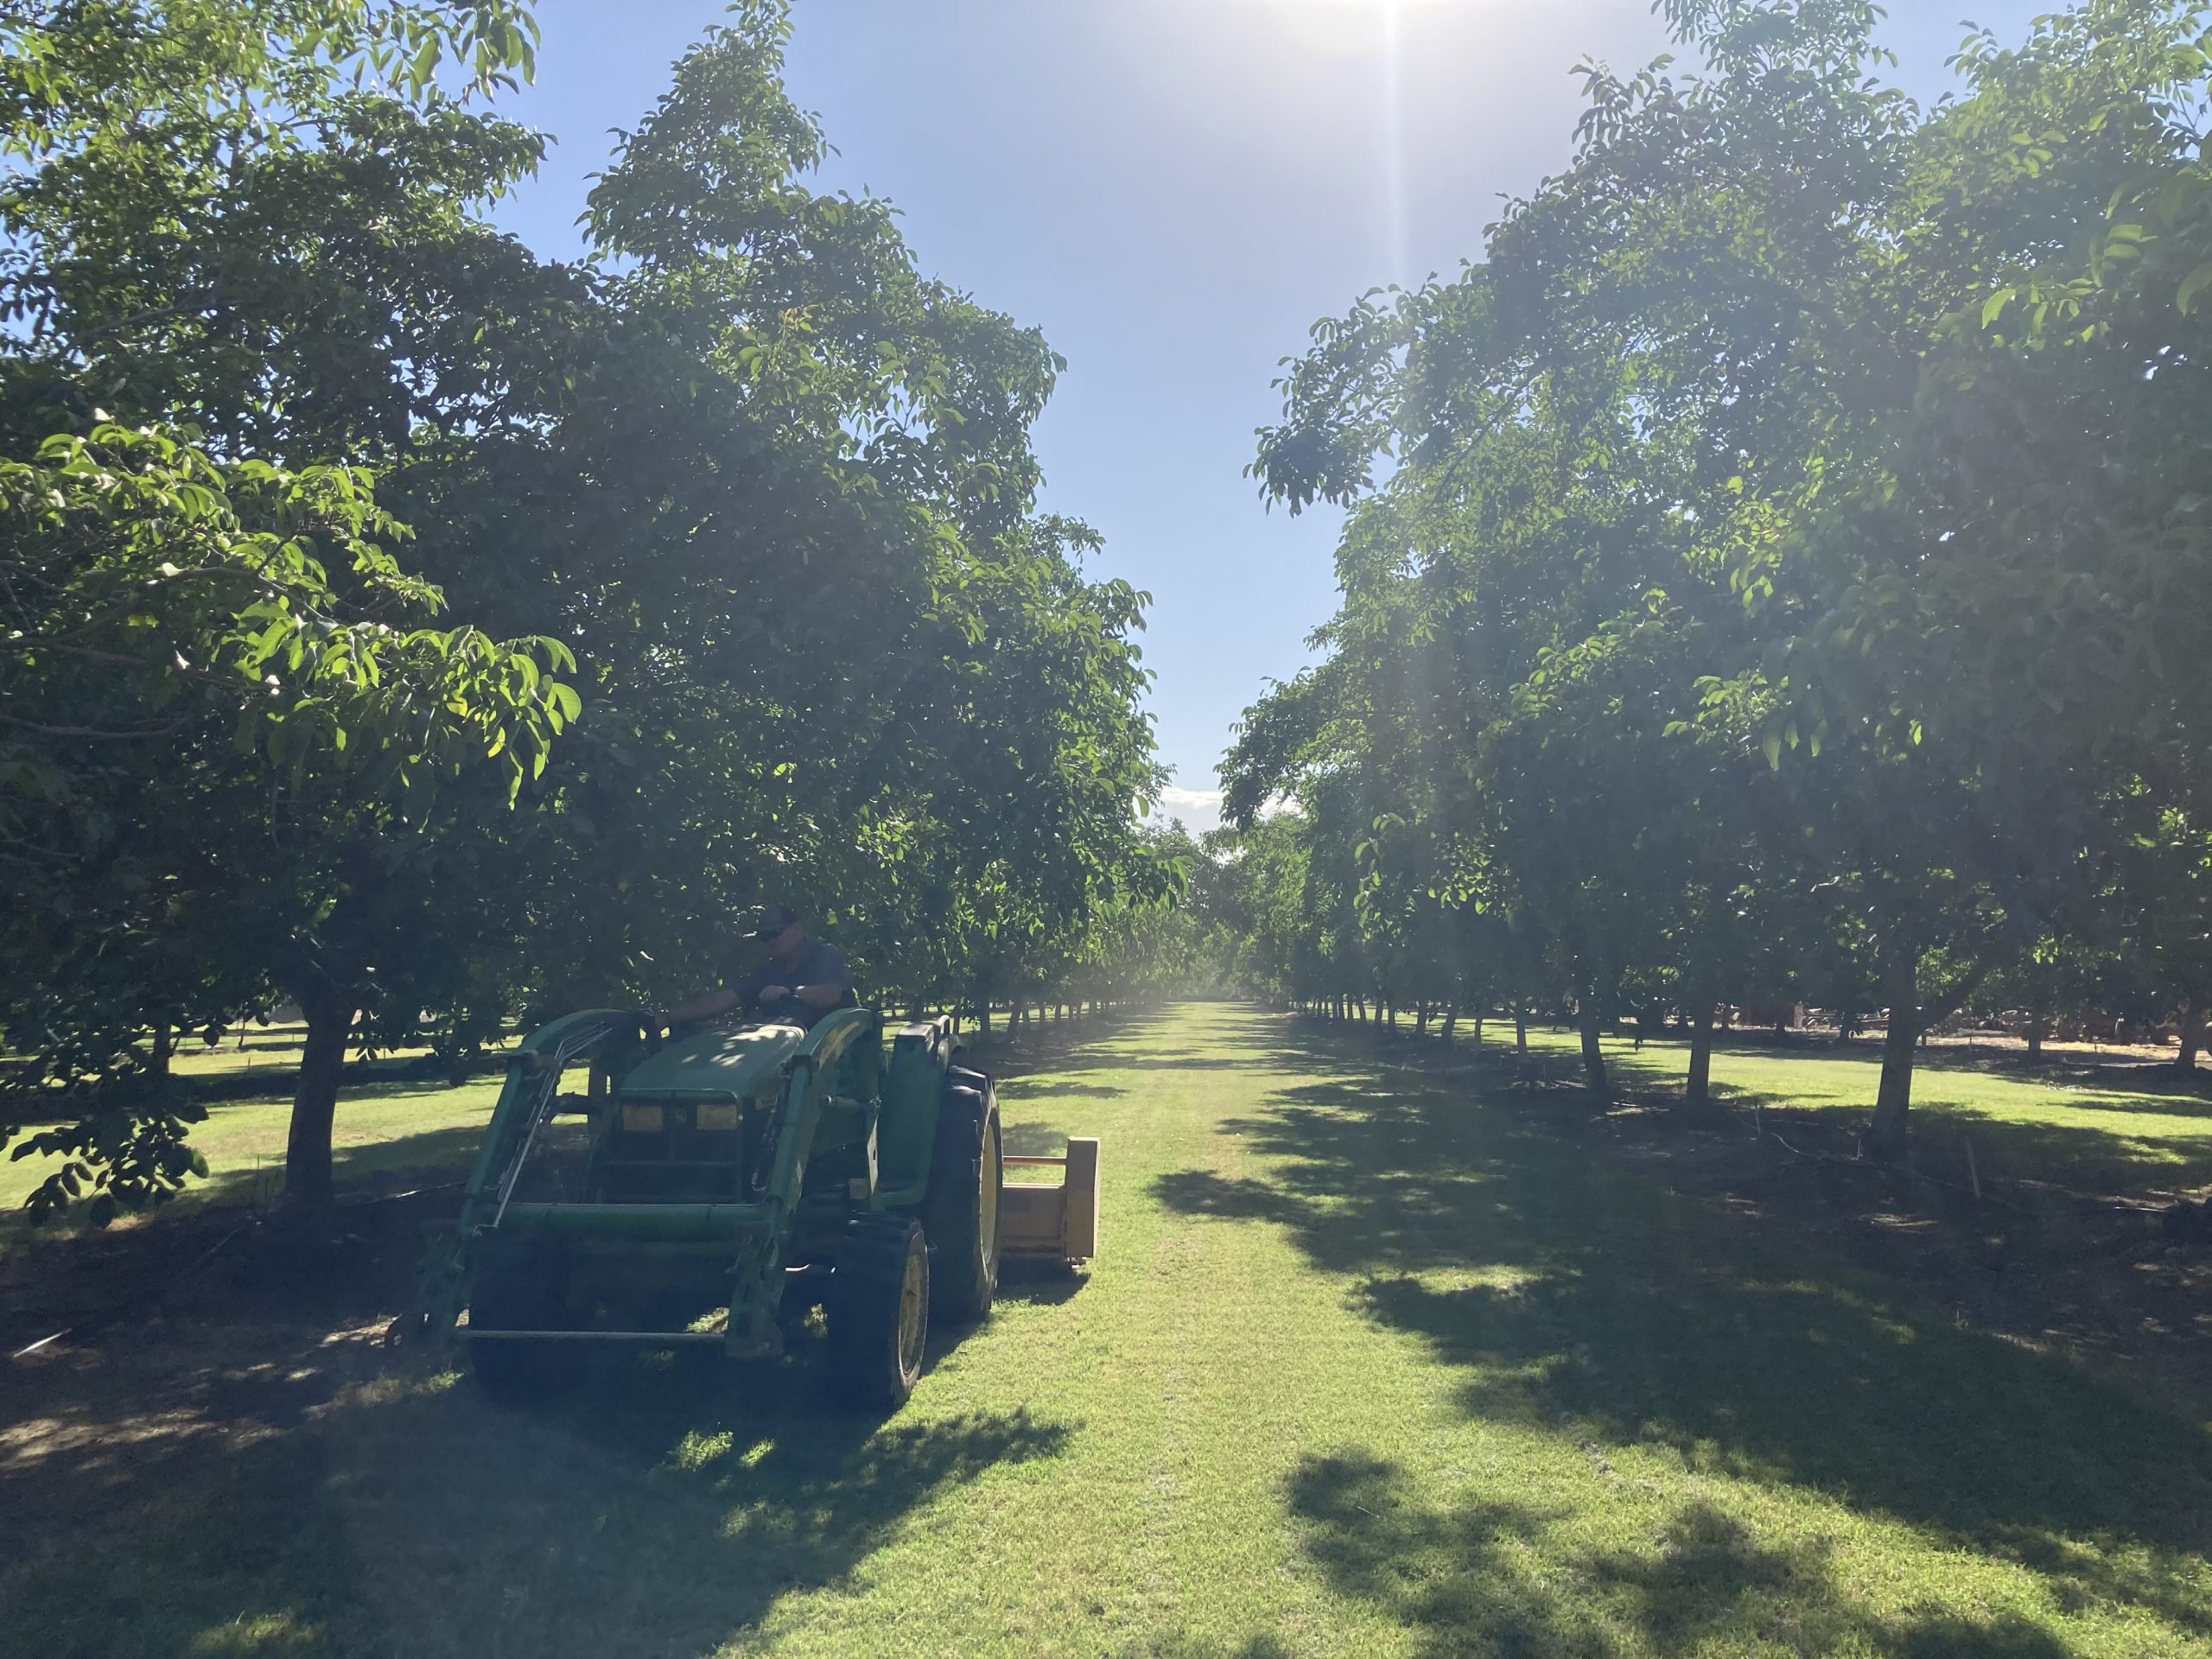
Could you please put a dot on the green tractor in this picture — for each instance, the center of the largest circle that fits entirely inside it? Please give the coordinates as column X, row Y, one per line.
column 711, row 1190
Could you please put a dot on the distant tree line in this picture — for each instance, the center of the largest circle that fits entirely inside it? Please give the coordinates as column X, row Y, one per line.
column 436, row 636
column 1778, row 570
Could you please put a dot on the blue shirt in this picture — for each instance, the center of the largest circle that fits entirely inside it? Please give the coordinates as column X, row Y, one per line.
column 818, row 964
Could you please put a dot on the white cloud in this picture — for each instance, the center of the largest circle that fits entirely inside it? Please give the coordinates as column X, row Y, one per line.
column 1199, row 809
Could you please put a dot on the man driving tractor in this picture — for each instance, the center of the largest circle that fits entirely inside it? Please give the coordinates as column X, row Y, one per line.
column 802, row 980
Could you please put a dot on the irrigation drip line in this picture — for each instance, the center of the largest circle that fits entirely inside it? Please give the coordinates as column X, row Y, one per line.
column 362, row 1200
column 100, row 1321
column 150, row 1300
column 1809, row 1157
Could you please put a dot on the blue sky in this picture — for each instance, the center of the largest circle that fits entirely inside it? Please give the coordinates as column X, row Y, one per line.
column 1173, row 190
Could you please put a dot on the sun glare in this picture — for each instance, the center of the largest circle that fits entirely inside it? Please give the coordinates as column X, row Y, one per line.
column 1365, row 35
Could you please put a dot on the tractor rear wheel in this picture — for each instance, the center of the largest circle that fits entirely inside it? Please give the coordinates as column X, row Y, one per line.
column 521, row 1293
column 878, row 1311
column 960, row 1207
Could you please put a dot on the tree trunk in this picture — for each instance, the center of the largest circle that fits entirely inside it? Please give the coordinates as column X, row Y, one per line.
column 1593, row 1052
column 1479, row 1031
column 983, row 1019
column 1700, row 1083
column 2192, row 1036
column 315, row 1099
column 2034, row 1034
column 1451, row 1025
column 164, row 1047
column 1519, row 1030
column 1893, row 1101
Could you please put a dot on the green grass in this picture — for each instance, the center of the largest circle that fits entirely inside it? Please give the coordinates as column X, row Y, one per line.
column 382, row 1126
column 2156, row 1136
column 1364, row 1367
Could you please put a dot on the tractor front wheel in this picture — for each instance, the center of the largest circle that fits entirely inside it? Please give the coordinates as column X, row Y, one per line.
column 960, row 1209
column 878, row 1311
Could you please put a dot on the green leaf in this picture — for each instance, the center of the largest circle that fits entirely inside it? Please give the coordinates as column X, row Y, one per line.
column 2192, row 289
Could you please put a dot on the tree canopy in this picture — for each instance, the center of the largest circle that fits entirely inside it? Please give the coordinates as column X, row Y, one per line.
column 1771, row 570
column 432, row 635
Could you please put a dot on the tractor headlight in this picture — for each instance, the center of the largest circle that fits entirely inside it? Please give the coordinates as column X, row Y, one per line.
column 717, row 1114
column 642, row 1120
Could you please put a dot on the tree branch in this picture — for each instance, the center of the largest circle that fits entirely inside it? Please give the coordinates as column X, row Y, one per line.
column 44, row 730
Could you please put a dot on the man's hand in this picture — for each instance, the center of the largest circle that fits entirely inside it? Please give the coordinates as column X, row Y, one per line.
column 772, row 993
column 703, row 1007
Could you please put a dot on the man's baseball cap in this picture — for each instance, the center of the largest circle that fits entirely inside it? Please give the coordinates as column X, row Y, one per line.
column 775, row 920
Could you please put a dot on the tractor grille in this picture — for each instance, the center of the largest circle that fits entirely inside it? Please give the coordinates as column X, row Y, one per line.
column 679, row 1151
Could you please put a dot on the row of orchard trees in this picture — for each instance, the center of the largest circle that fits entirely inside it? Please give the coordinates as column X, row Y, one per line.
column 1778, row 570
column 432, row 635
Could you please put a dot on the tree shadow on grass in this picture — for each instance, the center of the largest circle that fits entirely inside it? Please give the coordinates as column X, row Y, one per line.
column 1028, row 1050
column 1112, row 1062
column 2158, row 1080
column 2106, row 1156
column 2116, row 1092
column 1020, row 1092
column 663, row 1522
column 2188, row 1106
column 263, row 1488
column 2079, row 1159
column 1574, row 1296
column 1039, row 1283
column 1483, row 1578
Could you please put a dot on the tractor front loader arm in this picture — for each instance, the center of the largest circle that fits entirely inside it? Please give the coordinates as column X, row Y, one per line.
column 527, row 1098
column 757, row 1282
column 757, row 1275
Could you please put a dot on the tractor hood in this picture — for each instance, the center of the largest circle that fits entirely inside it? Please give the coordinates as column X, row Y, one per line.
column 740, row 1064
